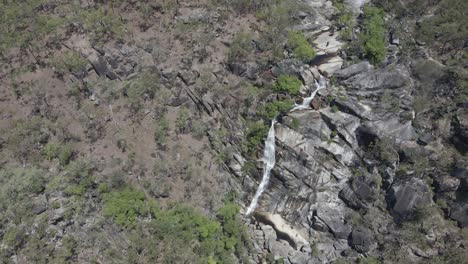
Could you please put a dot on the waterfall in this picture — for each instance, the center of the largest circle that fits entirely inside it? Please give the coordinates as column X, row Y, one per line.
column 321, row 84
column 269, row 151
column 268, row 164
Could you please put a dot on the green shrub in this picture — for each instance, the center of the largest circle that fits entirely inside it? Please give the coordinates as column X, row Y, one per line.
column 256, row 132
column 273, row 109
column 288, row 83
column 123, row 207
column 50, row 151
column 301, row 47
column 344, row 19
column 198, row 129
column 79, row 177
column 161, row 130
column 182, row 120
column 334, row 109
column 64, row 153
column 295, row 123
column 69, row 62
column 373, row 34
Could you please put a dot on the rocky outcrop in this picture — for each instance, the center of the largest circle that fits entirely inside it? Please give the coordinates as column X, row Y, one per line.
column 406, row 197
column 461, row 129
column 359, row 68
column 362, row 240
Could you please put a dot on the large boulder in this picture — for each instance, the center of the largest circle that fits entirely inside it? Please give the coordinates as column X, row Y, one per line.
column 354, row 69
column 461, row 130
column 358, row 194
column 406, row 197
column 460, row 214
column 379, row 80
column 391, row 128
column 362, row 240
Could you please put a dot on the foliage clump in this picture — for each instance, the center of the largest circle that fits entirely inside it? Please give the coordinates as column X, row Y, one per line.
column 161, row 130
column 241, row 47
column 275, row 108
column 256, row 131
column 372, row 37
column 288, row 83
column 124, row 206
column 300, row 46
column 63, row 152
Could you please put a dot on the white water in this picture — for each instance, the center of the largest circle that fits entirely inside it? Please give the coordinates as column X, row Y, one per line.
column 321, row 84
column 268, row 164
column 269, row 151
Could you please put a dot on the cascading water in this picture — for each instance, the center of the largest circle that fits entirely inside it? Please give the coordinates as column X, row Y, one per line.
column 321, row 84
column 269, row 151
column 268, row 164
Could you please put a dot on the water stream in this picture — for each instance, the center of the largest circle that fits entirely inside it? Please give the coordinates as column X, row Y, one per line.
column 268, row 164
column 321, row 84
column 269, row 151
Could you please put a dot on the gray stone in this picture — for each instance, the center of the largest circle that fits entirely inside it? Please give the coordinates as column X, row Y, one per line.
column 461, row 130
column 447, row 184
column 188, row 77
column 406, row 197
column 300, row 258
column 425, row 139
column 354, row 69
column 39, row 205
column 332, row 220
column 391, row 128
column 362, row 240
column 57, row 215
column 268, row 232
column 460, row 214
column 291, row 67
column 279, row 248
column 379, row 80
column 307, row 77
column 102, row 68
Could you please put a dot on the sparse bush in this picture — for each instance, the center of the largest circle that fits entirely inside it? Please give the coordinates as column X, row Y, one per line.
column 334, row 109
column 241, row 47
column 182, row 121
column 198, row 129
column 70, row 61
column 26, row 137
column 288, row 83
column 103, row 24
column 300, row 46
column 295, row 123
column 161, row 130
column 24, row 24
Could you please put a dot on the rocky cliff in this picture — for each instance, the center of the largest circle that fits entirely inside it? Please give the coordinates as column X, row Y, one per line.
column 133, row 132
